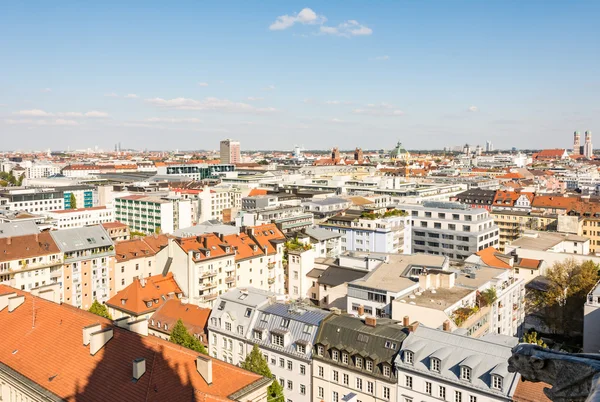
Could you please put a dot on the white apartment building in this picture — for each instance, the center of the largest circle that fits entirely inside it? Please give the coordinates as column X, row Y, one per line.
column 353, row 359
column 33, row 200
column 151, row 214
column 379, row 235
column 76, row 218
column 451, row 229
column 326, row 207
column 214, row 203
column 591, row 321
column 259, row 258
column 285, row 334
column 204, row 266
column 301, row 260
column 435, row 365
column 326, row 243
column 38, row 170
column 29, row 261
column 89, row 257
column 390, row 280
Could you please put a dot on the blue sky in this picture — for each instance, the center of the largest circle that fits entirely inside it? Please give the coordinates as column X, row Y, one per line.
column 182, row 75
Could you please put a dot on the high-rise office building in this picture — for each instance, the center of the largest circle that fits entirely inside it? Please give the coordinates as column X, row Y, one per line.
column 577, row 143
column 489, row 147
column 588, row 149
column 230, row 151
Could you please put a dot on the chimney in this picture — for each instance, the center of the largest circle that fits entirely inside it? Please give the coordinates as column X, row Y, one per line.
column 8, row 241
column 139, row 327
column 204, row 367
column 14, row 302
column 371, row 321
column 413, row 327
column 406, row 321
column 361, row 310
column 143, row 282
column 4, row 300
column 139, row 368
column 446, row 326
column 99, row 339
column 88, row 331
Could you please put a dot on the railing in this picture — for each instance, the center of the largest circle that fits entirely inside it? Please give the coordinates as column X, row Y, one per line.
column 229, row 279
column 208, row 274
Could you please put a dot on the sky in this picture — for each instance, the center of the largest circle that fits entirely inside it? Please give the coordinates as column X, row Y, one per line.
column 274, row 74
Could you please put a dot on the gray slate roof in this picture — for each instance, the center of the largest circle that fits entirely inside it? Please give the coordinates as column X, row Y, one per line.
column 335, row 276
column 484, row 357
column 321, row 234
column 84, row 238
column 18, row 229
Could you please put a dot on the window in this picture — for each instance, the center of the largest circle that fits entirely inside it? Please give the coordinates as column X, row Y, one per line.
column 409, row 382
column 472, row 398
column 386, row 393
column 335, row 355
column 435, row 365
column 300, row 348
column 370, row 387
column 321, row 392
column 228, row 326
column 248, row 312
column 457, row 396
column 442, row 393
column 427, row 387
column 285, row 323
column 258, row 335
column 345, row 358
column 290, row 365
column 386, row 371
column 335, row 397
column 335, row 375
column 320, row 350
column 369, row 365
column 465, row 373
column 290, row 385
column 302, row 389
column 346, row 379
column 497, row 382
column 408, row 357
column 277, row 339
column 359, row 383
column 281, row 362
column 302, row 369
column 240, row 330
column 321, row 371
column 359, row 362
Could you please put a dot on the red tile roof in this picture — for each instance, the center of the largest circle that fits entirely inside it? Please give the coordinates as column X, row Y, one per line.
column 155, row 290
column 139, row 248
column 194, row 318
column 244, row 246
column 51, row 354
column 205, row 246
column 489, row 256
column 28, row 246
column 257, row 191
column 553, row 201
column 264, row 234
column 528, row 263
column 528, row 391
column 114, row 225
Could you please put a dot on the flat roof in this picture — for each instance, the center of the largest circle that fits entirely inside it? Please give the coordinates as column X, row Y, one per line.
column 543, row 241
column 440, row 300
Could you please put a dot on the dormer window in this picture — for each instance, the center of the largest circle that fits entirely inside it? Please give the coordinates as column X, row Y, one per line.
column 369, row 365
column 148, row 304
column 497, row 382
column 335, row 355
column 285, row 323
column 465, row 373
column 320, row 350
column 345, row 358
column 277, row 339
column 300, row 348
column 208, row 253
column 359, row 362
column 409, row 357
column 386, row 370
column 435, row 365
column 258, row 335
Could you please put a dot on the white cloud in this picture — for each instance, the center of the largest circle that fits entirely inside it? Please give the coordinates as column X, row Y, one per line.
column 347, row 29
column 380, row 109
column 95, row 113
column 57, row 122
column 382, row 58
column 131, row 96
column 203, row 84
column 306, row 16
column 255, row 98
column 173, row 120
column 46, row 90
column 473, row 109
column 111, row 95
column 33, row 113
column 70, row 114
column 337, row 102
column 224, row 105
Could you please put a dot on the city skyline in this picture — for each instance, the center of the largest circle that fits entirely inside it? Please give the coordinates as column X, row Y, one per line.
column 318, row 74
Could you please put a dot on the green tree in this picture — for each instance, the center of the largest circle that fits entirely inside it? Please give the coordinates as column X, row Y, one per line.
column 256, row 363
column 135, row 233
column 181, row 336
column 560, row 306
column 21, row 178
column 532, row 337
column 99, row 309
column 73, row 201
column 263, row 162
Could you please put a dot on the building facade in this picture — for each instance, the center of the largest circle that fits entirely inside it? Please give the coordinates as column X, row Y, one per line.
column 230, row 152
column 76, row 218
column 151, row 214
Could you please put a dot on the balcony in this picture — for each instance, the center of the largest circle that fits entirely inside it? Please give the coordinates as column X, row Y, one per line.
column 230, row 279
column 208, row 285
column 208, row 297
column 271, row 281
column 271, row 265
column 208, row 274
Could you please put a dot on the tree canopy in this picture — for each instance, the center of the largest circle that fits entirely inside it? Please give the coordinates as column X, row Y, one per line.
column 181, row 336
column 256, row 363
column 73, row 201
column 99, row 309
column 532, row 337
